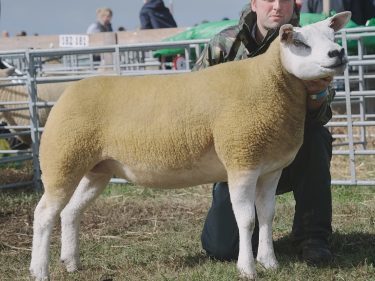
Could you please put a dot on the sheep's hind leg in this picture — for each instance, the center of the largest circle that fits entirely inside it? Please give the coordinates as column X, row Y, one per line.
column 45, row 216
column 265, row 205
column 91, row 185
column 242, row 187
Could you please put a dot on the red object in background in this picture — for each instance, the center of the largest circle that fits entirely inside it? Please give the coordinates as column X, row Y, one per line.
column 179, row 62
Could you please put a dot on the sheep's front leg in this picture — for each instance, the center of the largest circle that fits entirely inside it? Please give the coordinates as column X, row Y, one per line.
column 265, row 205
column 88, row 189
column 242, row 186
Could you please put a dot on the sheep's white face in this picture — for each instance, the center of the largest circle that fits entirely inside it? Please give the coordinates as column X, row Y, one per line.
column 310, row 52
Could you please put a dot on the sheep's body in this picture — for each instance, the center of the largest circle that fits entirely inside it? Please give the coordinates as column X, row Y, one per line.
column 46, row 93
column 241, row 121
column 120, row 119
column 222, row 121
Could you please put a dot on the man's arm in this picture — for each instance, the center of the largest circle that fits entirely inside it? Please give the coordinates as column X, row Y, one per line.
column 316, row 90
column 212, row 54
column 319, row 98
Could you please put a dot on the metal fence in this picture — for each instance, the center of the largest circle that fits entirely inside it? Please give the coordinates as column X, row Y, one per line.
column 38, row 67
column 353, row 123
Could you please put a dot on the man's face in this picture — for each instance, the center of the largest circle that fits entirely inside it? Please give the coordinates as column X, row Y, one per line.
column 271, row 14
column 105, row 18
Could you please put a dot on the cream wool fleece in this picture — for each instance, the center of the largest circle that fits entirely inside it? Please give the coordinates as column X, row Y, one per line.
column 250, row 112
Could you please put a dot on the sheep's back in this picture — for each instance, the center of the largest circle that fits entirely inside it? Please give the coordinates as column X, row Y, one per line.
column 129, row 119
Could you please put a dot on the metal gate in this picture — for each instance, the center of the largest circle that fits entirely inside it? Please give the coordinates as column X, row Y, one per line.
column 353, row 122
column 39, row 67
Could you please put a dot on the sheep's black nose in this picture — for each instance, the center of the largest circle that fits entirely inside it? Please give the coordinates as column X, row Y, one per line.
column 337, row 53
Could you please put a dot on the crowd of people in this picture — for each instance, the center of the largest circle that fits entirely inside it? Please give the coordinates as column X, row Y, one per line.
column 6, row 34
column 362, row 10
column 154, row 14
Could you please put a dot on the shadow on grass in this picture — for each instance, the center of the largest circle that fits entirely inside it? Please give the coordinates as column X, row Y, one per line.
column 349, row 249
column 352, row 249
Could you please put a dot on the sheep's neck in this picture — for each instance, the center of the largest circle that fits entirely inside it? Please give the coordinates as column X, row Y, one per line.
column 271, row 87
column 289, row 86
column 269, row 113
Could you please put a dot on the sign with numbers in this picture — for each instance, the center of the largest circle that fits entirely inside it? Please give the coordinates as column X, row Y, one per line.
column 73, row 41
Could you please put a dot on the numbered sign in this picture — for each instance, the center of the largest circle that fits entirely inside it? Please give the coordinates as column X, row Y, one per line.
column 73, row 41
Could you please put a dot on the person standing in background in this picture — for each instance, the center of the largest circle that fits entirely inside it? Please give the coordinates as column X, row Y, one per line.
column 5, row 34
column 362, row 10
column 316, row 6
column 154, row 14
column 103, row 23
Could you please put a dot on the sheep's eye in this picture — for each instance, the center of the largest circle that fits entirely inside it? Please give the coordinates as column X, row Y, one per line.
column 299, row 43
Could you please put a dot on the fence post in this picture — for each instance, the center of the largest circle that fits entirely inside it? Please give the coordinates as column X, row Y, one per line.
column 353, row 177
column 34, row 120
column 108, row 39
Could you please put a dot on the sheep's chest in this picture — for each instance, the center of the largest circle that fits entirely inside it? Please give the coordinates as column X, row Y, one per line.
column 265, row 134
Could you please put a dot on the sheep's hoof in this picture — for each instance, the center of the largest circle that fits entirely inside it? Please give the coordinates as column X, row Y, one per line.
column 268, row 262
column 247, row 276
column 247, row 272
column 72, row 265
column 38, row 275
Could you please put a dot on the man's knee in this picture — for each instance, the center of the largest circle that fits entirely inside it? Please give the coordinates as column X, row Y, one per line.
column 220, row 232
column 219, row 249
column 313, row 158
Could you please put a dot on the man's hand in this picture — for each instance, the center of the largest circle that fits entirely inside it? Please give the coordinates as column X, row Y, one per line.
column 314, row 87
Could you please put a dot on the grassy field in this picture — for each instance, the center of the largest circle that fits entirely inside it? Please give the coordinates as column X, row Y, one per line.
column 145, row 234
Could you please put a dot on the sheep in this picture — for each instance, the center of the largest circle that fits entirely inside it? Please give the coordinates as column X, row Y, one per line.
column 46, row 93
column 7, row 72
column 184, row 130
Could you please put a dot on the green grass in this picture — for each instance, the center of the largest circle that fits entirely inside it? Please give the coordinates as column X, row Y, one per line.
column 148, row 234
column 4, row 145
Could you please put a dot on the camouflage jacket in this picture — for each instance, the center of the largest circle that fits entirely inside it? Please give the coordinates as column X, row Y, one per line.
column 237, row 42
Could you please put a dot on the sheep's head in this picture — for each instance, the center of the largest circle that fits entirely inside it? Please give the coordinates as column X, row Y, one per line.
column 310, row 52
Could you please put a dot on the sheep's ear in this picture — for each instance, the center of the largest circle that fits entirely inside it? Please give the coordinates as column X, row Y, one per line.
column 286, row 33
column 339, row 20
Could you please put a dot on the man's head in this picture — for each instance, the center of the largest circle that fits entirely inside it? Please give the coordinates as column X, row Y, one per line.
column 271, row 14
column 104, row 15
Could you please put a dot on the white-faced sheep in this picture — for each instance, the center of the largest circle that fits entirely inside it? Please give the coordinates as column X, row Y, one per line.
column 214, row 125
